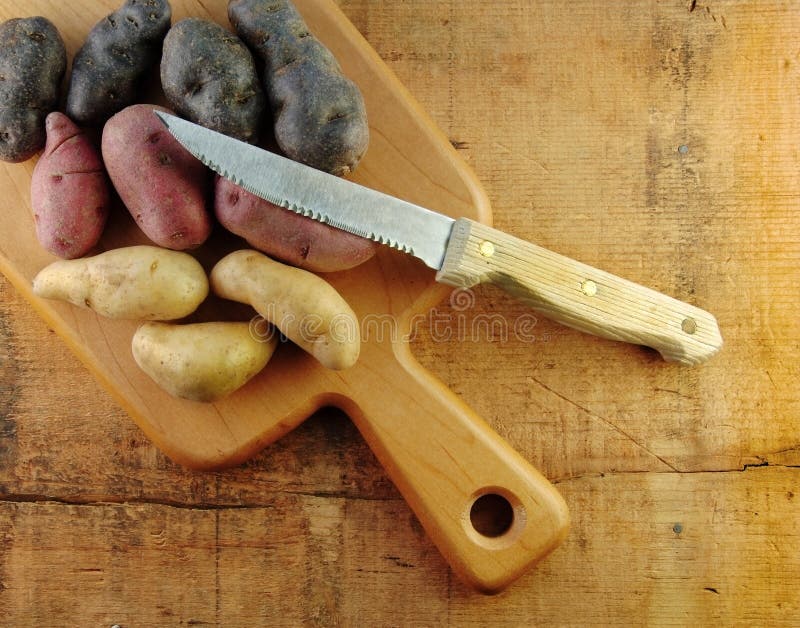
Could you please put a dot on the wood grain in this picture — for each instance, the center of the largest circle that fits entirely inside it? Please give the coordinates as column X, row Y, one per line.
column 577, row 295
column 572, row 116
column 407, row 157
column 442, row 456
column 211, row 566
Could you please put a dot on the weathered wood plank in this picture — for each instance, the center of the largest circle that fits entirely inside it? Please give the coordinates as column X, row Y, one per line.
column 652, row 141
column 646, row 549
column 574, row 117
column 700, row 548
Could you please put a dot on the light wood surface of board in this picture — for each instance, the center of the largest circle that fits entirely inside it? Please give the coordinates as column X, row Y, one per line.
column 656, row 141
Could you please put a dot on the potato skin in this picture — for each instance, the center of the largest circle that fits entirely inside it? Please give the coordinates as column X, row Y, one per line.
column 209, row 77
column 285, row 235
column 163, row 186
column 108, row 69
column 134, row 283
column 33, row 61
column 201, row 361
column 320, row 116
column 305, row 308
column 70, row 194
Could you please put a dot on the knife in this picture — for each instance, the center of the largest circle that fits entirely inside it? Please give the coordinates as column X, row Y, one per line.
column 464, row 252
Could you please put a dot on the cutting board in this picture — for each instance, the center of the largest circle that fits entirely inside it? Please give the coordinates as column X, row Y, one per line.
column 444, row 459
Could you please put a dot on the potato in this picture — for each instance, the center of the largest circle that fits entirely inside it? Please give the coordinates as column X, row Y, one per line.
column 163, row 186
column 201, row 361
column 319, row 114
column 209, row 76
column 33, row 61
column 70, row 193
column 306, row 309
column 136, row 282
column 288, row 236
column 107, row 71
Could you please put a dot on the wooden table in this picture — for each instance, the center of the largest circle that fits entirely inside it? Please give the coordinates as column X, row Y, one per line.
column 657, row 140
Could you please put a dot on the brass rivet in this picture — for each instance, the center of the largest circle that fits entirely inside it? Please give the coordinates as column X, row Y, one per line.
column 486, row 248
column 689, row 325
column 589, row 288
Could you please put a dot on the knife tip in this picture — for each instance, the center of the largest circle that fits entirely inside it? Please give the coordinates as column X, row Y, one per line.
column 162, row 116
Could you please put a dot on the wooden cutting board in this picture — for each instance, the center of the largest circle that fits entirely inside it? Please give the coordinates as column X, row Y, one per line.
column 442, row 457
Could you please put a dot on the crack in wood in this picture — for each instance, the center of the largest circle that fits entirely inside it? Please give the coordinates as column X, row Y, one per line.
column 608, row 474
column 608, row 423
column 167, row 503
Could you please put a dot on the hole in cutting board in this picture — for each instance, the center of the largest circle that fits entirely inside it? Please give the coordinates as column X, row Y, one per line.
column 491, row 515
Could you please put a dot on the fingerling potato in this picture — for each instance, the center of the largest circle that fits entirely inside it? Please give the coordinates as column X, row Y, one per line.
column 136, row 282
column 70, row 194
column 33, row 61
column 319, row 114
column 164, row 187
column 201, row 361
column 305, row 308
column 283, row 234
column 108, row 70
column 209, row 76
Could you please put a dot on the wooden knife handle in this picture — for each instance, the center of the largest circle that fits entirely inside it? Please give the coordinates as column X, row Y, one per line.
column 449, row 464
column 578, row 295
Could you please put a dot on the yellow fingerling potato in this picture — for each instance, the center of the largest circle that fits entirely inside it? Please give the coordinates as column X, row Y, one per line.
column 306, row 309
column 201, row 361
column 136, row 282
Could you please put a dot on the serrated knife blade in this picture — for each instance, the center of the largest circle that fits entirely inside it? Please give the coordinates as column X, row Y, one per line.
column 464, row 252
column 318, row 195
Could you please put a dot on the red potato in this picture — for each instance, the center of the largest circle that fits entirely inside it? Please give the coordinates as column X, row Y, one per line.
column 70, row 194
column 163, row 186
column 285, row 235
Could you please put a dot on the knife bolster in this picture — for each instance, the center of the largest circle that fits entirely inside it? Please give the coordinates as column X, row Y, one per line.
column 464, row 264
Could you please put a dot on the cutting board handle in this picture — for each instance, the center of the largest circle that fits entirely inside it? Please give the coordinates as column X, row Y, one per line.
column 451, row 467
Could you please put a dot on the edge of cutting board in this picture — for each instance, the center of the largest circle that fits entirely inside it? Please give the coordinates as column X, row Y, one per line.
column 211, row 436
